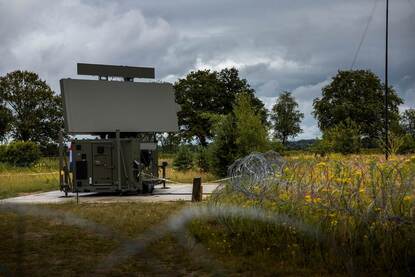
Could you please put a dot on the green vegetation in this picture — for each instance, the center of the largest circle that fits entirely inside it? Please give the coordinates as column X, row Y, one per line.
column 16, row 180
column 33, row 111
column 356, row 217
column 184, row 159
column 286, row 117
column 343, row 138
column 251, row 134
column 20, row 153
column 48, row 248
column 358, row 96
column 206, row 92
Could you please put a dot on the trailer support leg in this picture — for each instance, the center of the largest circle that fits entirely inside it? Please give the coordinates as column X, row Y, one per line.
column 118, row 159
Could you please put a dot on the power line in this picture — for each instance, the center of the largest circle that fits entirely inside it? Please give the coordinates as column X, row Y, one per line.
column 364, row 34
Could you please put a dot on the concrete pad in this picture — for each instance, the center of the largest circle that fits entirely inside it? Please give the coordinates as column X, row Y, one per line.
column 174, row 192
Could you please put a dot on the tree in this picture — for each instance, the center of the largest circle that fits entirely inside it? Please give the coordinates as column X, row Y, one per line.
column 286, row 117
column 184, row 159
column 359, row 96
column 36, row 112
column 233, row 85
column 223, row 151
column 408, row 121
column 237, row 134
column 251, row 134
column 207, row 92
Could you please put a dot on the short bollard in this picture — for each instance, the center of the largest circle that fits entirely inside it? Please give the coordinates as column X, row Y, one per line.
column 197, row 190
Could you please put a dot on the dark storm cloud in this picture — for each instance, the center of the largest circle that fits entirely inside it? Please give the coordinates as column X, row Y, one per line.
column 277, row 45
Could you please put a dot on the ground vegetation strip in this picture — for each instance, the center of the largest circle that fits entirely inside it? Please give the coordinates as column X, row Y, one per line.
column 320, row 215
column 362, row 209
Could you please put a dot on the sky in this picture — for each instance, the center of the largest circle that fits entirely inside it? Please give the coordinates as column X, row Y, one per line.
column 296, row 45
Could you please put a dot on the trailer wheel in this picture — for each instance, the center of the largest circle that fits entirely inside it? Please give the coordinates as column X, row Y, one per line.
column 145, row 188
column 148, row 188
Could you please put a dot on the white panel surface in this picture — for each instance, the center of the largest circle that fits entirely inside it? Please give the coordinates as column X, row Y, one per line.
column 93, row 106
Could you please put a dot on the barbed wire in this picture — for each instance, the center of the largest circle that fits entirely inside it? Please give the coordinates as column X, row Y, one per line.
column 253, row 175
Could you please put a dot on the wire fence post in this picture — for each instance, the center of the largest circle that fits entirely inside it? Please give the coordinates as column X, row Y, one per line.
column 197, row 189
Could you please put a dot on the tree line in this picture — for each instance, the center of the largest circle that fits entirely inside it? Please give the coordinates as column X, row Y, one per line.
column 221, row 113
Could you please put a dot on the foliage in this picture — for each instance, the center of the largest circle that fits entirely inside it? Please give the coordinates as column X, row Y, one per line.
column 202, row 159
column 395, row 142
column 223, row 149
column 408, row 121
column 359, row 96
column 3, row 153
column 286, row 117
column 36, row 112
column 5, row 121
column 321, row 147
column 408, row 144
column 169, row 142
column 251, row 134
column 355, row 217
column 50, row 150
column 277, row 146
column 343, row 138
column 236, row 135
column 203, row 92
column 20, row 153
column 184, row 159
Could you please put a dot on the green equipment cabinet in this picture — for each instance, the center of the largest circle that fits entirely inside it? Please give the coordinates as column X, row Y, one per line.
column 96, row 166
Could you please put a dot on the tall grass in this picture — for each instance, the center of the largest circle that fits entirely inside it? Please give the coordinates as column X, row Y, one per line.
column 187, row 175
column 43, row 165
column 20, row 184
column 362, row 207
column 16, row 181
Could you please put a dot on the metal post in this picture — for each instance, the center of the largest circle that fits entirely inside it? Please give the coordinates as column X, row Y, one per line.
column 197, row 189
column 60, row 159
column 118, row 158
column 163, row 172
column 386, row 84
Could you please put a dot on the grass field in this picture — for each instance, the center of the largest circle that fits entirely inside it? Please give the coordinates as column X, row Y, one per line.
column 46, row 247
column 334, row 215
column 16, row 181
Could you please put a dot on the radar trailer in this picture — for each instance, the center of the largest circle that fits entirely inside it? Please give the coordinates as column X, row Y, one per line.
column 124, row 116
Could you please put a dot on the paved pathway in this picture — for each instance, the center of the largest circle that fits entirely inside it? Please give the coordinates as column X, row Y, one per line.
column 175, row 192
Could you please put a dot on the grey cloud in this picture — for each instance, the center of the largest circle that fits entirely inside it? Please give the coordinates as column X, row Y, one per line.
column 293, row 45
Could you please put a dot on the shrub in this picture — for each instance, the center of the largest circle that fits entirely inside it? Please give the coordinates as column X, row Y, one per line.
column 184, row 159
column 22, row 153
column 277, row 146
column 251, row 133
column 321, row 147
column 223, row 150
column 50, row 150
column 344, row 138
column 408, row 145
column 3, row 150
column 202, row 159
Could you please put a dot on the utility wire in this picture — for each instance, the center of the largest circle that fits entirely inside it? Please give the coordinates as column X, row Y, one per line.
column 364, row 34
